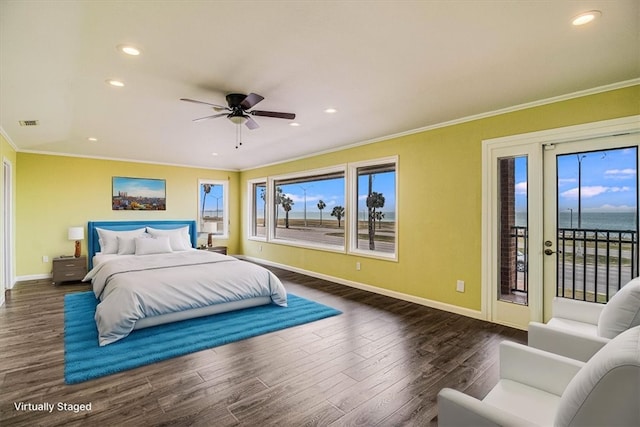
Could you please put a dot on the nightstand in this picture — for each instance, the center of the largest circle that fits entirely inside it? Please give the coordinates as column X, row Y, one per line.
column 219, row 249
column 69, row 269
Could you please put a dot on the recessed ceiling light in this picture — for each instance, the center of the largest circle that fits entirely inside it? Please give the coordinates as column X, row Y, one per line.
column 330, row 110
column 128, row 49
column 92, row 139
column 214, row 154
column 116, row 83
column 586, row 17
column 294, row 124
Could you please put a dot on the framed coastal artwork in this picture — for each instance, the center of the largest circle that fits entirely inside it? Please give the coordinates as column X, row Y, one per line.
column 138, row 194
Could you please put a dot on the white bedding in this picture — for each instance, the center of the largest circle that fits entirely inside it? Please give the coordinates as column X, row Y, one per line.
column 132, row 287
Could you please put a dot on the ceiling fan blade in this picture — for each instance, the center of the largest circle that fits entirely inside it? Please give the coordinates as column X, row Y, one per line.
column 274, row 114
column 210, row 117
column 202, row 102
column 251, row 100
column 251, row 124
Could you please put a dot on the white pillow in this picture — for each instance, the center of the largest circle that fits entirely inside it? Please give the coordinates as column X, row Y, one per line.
column 127, row 245
column 622, row 312
column 156, row 245
column 179, row 238
column 108, row 239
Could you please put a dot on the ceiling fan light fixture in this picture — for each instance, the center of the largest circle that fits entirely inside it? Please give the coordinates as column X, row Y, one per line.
column 585, row 17
column 238, row 120
column 294, row 124
column 330, row 110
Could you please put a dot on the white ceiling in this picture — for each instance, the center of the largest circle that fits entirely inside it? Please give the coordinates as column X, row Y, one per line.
column 387, row 66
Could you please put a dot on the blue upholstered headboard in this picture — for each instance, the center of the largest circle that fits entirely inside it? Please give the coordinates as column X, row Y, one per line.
column 94, row 245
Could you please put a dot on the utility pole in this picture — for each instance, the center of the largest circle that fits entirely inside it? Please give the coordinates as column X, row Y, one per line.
column 304, row 189
column 580, row 157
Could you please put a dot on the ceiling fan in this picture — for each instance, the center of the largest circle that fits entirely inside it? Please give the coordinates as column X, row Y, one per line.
column 238, row 110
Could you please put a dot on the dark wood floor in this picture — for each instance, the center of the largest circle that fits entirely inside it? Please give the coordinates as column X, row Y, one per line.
column 381, row 362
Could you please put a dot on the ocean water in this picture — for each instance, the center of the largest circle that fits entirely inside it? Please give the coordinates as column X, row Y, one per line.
column 326, row 215
column 625, row 221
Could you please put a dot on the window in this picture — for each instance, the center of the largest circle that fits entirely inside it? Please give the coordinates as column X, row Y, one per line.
column 258, row 209
column 373, row 225
column 513, row 239
column 320, row 208
column 213, row 207
column 309, row 209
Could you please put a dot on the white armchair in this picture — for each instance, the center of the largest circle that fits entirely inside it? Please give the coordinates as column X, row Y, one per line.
column 538, row 388
column 579, row 329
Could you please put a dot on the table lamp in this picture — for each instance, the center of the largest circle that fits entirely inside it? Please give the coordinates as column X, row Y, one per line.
column 77, row 234
column 211, row 228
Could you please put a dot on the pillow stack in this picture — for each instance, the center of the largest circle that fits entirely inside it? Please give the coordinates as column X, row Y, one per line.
column 144, row 241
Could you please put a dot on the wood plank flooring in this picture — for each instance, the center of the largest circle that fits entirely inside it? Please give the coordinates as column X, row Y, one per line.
column 380, row 363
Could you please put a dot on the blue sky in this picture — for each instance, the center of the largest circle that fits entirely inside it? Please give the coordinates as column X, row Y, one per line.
column 609, row 181
column 139, row 187
column 213, row 199
column 332, row 193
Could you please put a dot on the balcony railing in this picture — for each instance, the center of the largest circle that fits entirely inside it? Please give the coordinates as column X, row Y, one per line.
column 594, row 264
column 520, row 238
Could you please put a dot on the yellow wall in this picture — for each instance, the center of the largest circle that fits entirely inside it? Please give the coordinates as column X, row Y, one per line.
column 7, row 153
column 57, row 192
column 439, row 200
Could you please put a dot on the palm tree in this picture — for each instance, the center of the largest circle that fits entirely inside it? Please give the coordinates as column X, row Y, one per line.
column 378, row 217
column 374, row 200
column 321, row 205
column 338, row 212
column 263, row 196
column 207, row 189
column 278, row 200
column 287, row 204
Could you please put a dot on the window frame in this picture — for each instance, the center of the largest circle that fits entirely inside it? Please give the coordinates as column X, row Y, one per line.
column 252, row 217
column 271, row 208
column 225, row 206
column 352, row 213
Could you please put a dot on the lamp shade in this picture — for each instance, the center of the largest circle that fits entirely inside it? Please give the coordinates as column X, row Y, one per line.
column 238, row 119
column 76, row 233
column 210, row 227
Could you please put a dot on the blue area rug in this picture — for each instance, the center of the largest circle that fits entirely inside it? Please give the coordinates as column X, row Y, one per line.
column 84, row 359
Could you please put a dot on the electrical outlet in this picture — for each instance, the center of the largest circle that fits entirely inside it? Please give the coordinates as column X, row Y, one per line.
column 357, row 266
column 45, row 258
column 460, row 286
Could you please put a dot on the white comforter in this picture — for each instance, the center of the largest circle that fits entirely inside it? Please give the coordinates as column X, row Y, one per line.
column 133, row 287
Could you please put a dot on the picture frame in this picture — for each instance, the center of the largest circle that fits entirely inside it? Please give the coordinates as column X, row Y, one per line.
column 138, row 194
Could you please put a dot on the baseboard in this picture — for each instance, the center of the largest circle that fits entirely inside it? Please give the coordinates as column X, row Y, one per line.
column 476, row 314
column 33, row 277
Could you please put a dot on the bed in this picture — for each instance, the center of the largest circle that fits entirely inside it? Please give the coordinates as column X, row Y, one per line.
column 147, row 273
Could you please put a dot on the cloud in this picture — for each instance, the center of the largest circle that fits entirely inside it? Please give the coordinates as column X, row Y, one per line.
column 627, row 173
column 299, row 198
column 521, row 187
column 564, row 181
column 611, row 208
column 592, row 191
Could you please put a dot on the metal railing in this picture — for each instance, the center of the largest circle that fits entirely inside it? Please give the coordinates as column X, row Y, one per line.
column 594, row 264
column 520, row 238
